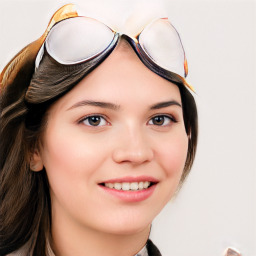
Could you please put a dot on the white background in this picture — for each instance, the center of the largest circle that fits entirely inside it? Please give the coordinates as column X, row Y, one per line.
column 216, row 207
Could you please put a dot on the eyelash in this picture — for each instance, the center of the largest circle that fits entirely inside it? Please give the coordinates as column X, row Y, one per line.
column 169, row 117
column 87, row 118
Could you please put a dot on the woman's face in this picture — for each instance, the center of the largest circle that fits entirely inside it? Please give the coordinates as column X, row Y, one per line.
column 121, row 126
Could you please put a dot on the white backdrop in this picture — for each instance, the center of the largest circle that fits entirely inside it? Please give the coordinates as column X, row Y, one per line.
column 216, row 207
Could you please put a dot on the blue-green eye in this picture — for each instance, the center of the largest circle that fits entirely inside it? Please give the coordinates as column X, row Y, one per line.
column 94, row 121
column 161, row 120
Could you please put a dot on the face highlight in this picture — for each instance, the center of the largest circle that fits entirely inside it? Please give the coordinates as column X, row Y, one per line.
column 114, row 148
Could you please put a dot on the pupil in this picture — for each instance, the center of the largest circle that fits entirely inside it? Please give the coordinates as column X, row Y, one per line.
column 94, row 120
column 159, row 120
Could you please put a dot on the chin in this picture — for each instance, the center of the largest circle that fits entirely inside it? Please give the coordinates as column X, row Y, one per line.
column 129, row 230
column 128, row 224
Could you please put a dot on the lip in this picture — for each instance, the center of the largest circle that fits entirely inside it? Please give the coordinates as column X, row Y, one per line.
column 130, row 196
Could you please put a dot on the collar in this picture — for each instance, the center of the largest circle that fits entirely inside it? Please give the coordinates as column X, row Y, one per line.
column 143, row 252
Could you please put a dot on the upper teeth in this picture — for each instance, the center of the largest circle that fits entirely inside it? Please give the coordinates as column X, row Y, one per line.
column 128, row 185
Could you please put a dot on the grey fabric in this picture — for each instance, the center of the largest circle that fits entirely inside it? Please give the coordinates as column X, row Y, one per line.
column 143, row 252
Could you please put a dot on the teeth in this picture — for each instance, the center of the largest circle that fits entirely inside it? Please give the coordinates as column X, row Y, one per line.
column 128, row 186
column 146, row 184
column 141, row 186
column 118, row 186
column 111, row 185
column 125, row 186
column 134, row 186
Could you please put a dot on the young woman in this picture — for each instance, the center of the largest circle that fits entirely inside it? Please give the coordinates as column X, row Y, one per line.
column 98, row 131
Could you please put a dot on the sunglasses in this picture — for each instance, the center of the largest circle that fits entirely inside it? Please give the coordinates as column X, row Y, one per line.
column 72, row 39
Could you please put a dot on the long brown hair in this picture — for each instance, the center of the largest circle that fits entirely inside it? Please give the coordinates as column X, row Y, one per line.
column 25, row 210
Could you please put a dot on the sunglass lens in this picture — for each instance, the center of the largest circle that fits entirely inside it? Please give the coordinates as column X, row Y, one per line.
column 78, row 39
column 162, row 44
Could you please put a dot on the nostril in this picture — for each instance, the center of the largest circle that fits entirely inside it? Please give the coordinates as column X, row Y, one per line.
column 133, row 146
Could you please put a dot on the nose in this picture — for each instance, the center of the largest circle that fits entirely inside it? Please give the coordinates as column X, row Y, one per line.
column 133, row 147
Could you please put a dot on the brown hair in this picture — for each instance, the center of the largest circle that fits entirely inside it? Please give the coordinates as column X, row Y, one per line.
column 25, row 210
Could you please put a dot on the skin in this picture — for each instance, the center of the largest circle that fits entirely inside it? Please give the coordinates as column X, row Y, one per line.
column 127, row 142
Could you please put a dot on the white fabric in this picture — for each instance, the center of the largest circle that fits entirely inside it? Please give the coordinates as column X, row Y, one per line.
column 127, row 17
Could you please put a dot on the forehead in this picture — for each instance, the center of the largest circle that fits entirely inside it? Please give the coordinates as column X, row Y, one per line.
column 122, row 79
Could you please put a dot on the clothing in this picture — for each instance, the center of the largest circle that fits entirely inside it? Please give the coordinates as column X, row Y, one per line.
column 152, row 249
column 148, row 250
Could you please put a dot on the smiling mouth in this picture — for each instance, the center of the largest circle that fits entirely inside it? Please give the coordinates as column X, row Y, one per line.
column 129, row 186
column 130, row 189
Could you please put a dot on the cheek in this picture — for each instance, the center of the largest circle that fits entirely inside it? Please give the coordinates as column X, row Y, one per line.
column 172, row 154
column 70, row 160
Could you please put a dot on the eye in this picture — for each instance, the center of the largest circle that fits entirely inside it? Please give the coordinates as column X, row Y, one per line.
column 94, row 121
column 161, row 120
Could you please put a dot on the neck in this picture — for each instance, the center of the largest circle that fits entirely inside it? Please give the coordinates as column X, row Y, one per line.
column 72, row 240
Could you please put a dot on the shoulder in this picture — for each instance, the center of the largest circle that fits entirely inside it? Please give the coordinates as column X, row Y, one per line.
column 152, row 249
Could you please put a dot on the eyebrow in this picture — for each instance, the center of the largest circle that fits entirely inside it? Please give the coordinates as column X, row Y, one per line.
column 165, row 104
column 96, row 104
column 117, row 107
